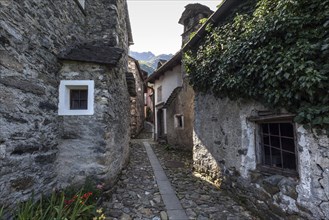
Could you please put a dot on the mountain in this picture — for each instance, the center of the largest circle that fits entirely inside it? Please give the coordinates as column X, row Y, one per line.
column 142, row 56
column 148, row 61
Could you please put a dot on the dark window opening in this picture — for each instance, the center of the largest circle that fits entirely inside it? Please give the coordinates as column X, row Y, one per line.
column 278, row 145
column 179, row 121
column 159, row 94
column 78, row 99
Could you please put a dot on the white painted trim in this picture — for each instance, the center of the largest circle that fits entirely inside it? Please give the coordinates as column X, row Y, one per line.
column 64, row 97
column 165, row 120
column 82, row 3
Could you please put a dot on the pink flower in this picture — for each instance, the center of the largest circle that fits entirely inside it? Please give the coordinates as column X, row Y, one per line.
column 100, row 186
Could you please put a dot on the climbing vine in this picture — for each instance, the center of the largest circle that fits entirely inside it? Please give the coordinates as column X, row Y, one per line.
column 273, row 51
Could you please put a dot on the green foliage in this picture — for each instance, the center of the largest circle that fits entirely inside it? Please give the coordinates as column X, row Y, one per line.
column 58, row 206
column 272, row 51
column 1, row 212
column 62, row 205
column 203, row 20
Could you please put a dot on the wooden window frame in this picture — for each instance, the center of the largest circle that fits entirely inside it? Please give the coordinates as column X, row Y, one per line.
column 79, row 99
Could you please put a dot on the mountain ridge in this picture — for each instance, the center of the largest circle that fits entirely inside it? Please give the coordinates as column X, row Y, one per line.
column 149, row 61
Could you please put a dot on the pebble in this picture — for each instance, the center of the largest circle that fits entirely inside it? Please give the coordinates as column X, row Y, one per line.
column 137, row 197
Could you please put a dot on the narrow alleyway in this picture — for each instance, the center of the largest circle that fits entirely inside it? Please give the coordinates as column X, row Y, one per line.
column 144, row 192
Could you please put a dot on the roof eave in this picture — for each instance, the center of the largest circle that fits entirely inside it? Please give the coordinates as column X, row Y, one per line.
column 170, row 64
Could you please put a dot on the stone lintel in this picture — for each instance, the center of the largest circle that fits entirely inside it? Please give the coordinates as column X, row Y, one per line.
column 94, row 53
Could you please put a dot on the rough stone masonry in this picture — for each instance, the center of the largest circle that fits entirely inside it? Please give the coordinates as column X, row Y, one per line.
column 40, row 150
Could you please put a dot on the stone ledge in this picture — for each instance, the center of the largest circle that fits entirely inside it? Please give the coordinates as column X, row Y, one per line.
column 92, row 52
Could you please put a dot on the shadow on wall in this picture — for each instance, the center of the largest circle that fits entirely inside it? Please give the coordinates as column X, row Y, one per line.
column 205, row 163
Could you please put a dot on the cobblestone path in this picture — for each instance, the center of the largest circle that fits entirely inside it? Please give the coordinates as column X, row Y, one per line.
column 137, row 196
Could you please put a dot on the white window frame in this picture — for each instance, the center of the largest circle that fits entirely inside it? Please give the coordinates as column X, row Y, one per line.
column 177, row 122
column 64, row 97
column 82, row 3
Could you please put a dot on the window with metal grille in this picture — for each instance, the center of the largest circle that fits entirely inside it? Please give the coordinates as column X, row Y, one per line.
column 78, row 99
column 278, row 145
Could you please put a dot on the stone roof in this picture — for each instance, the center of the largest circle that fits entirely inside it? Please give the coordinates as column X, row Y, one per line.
column 95, row 52
column 161, row 62
column 172, row 96
column 192, row 10
column 215, row 18
column 170, row 64
column 219, row 15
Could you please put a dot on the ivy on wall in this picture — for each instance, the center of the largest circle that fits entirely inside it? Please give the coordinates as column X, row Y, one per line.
column 273, row 51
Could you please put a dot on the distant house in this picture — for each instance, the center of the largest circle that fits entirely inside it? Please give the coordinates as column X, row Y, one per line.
column 149, row 103
column 270, row 163
column 136, row 87
column 173, row 95
column 64, row 103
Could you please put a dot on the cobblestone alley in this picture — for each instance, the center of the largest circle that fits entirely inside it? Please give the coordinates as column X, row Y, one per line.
column 143, row 193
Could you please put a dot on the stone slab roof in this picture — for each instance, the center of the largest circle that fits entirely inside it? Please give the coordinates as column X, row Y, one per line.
column 92, row 52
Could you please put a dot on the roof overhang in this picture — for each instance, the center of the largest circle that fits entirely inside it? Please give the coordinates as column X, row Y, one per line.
column 167, row 66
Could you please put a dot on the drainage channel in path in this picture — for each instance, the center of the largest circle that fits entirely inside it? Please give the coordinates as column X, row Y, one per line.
column 159, row 184
column 174, row 208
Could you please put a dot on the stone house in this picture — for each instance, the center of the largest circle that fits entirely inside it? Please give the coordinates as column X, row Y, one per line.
column 64, row 102
column 272, row 164
column 149, row 103
column 173, row 95
column 136, row 88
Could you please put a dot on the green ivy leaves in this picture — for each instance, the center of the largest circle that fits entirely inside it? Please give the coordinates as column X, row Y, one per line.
column 272, row 51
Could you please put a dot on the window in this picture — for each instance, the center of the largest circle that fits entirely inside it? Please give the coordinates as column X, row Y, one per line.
column 79, row 98
column 179, row 121
column 278, row 145
column 76, row 97
column 159, row 94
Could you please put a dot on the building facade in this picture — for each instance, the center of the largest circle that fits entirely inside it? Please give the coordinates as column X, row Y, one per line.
column 136, row 89
column 63, row 94
column 174, row 107
column 275, row 166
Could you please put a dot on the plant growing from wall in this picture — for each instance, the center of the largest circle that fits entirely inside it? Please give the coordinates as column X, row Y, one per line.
column 272, row 51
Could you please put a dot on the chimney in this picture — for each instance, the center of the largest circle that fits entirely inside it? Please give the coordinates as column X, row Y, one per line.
column 191, row 17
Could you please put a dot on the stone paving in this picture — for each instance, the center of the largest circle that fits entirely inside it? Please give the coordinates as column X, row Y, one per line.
column 137, row 196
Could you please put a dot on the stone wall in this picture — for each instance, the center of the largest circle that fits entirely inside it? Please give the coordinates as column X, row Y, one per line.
column 95, row 145
column 225, row 150
column 137, row 102
column 182, row 104
column 32, row 33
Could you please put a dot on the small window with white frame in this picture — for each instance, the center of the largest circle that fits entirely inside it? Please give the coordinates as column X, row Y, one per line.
column 179, row 121
column 76, row 97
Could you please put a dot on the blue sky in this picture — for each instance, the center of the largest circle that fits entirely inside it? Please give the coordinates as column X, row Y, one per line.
column 155, row 25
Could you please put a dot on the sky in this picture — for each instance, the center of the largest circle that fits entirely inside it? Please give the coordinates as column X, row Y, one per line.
column 154, row 24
